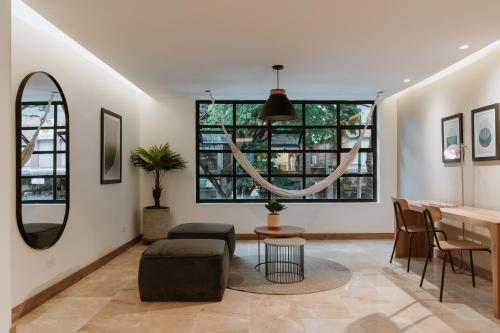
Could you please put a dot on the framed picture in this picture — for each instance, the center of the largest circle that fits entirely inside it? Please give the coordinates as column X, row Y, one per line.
column 111, row 147
column 451, row 138
column 485, row 139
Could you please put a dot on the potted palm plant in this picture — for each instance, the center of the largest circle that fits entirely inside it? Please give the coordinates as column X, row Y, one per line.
column 157, row 160
column 273, row 218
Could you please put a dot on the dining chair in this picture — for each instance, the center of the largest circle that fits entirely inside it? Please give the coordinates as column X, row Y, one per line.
column 433, row 214
column 400, row 207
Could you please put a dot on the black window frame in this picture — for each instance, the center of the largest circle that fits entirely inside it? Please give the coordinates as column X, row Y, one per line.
column 54, row 176
column 232, row 129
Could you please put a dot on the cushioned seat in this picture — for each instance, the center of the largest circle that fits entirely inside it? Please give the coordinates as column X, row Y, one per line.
column 184, row 270
column 205, row 231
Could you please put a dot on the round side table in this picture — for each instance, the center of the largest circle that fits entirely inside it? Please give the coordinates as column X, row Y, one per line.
column 286, row 231
column 284, row 259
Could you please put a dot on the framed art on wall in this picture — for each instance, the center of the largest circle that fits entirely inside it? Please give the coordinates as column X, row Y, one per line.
column 111, row 147
column 451, row 138
column 485, row 139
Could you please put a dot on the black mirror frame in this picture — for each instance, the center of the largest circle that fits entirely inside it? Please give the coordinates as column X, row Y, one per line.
column 18, row 160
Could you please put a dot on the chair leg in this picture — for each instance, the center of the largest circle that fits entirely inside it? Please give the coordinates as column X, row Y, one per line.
column 394, row 248
column 409, row 254
column 442, row 277
column 451, row 263
column 425, row 266
column 472, row 269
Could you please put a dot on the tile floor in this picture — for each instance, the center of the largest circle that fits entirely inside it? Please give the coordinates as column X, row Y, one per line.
column 379, row 298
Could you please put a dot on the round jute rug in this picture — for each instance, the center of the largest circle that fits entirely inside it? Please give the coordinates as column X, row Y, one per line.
column 320, row 275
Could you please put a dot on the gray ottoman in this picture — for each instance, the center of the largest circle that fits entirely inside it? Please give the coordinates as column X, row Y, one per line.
column 184, row 270
column 205, row 231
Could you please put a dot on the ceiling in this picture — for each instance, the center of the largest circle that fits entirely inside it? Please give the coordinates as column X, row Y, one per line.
column 330, row 48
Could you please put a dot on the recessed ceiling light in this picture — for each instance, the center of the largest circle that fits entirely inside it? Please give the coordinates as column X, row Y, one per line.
column 463, row 47
column 406, row 80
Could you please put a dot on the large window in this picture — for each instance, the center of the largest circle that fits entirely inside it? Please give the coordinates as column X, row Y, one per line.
column 291, row 154
column 43, row 177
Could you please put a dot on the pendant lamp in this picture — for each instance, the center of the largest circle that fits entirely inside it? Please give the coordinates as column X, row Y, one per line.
column 278, row 106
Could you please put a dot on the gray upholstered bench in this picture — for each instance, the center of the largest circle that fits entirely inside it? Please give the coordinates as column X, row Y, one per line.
column 206, row 231
column 184, row 270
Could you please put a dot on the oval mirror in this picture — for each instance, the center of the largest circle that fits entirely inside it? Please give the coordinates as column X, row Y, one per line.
column 42, row 160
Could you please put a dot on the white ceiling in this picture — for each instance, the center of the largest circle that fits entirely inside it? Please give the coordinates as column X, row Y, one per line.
column 330, row 48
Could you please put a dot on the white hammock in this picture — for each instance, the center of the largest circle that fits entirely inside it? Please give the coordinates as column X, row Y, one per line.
column 30, row 147
column 318, row 187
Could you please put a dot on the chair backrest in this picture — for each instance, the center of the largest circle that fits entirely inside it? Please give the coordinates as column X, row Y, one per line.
column 400, row 206
column 432, row 214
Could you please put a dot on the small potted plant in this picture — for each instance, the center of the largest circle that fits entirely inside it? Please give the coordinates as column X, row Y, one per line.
column 273, row 218
column 156, row 160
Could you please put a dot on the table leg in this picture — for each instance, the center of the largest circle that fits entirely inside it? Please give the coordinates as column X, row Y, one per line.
column 495, row 266
column 258, row 253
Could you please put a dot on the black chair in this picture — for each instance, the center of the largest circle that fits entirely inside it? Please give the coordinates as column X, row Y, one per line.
column 400, row 207
column 433, row 214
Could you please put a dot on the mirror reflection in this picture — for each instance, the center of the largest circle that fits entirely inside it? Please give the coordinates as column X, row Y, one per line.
column 42, row 160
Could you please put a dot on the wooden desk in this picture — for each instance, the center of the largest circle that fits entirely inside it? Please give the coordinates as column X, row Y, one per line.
column 490, row 219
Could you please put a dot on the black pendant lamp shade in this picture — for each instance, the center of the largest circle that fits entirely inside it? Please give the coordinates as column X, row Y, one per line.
column 278, row 106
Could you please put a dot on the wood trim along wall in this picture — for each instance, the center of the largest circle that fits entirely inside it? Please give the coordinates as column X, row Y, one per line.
column 478, row 271
column 331, row 236
column 43, row 296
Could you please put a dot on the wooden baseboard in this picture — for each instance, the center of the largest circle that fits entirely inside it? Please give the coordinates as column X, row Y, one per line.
column 478, row 271
column 330, row 236
column 43, row 296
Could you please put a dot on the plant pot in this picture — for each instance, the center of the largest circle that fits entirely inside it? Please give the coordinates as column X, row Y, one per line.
column 273, row 221
column 155, row 223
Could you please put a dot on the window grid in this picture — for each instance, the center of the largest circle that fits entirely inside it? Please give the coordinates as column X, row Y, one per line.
column 338, row 151
column 55, row 152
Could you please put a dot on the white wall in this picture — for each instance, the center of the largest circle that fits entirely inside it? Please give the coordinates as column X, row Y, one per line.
column 7, row 166
column 422, row 175
column 101, row 217
column 173, row 121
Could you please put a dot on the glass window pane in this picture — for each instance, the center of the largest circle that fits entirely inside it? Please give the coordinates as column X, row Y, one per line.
column 320, row 163
column 32, row 115
column 61, row 164
column 356, row 188
column 258, row 161
column 362, row 164
column 286, row 139
column 212, row 188
column 328, row 193
column 209, row 116
column 283, row 163
column 216, row 163
column 247, row 188
column 213, row 139
column 61, row 188
column 61, row 140
column 321, row 114
column 38, row 165
column 350, row 137
column 321, row 139
column 36, row 189
column 44, row 140
column 289, row 183
column 248, row 114
column 354, row 114
column 251, row 138
column 295, row 122
column 61, row 116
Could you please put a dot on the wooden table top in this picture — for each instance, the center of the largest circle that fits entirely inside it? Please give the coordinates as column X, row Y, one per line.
column 465, row 214
column 286, row 230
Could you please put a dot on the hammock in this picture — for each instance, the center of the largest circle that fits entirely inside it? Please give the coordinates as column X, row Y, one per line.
column 318, row 187
column 30, row 147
